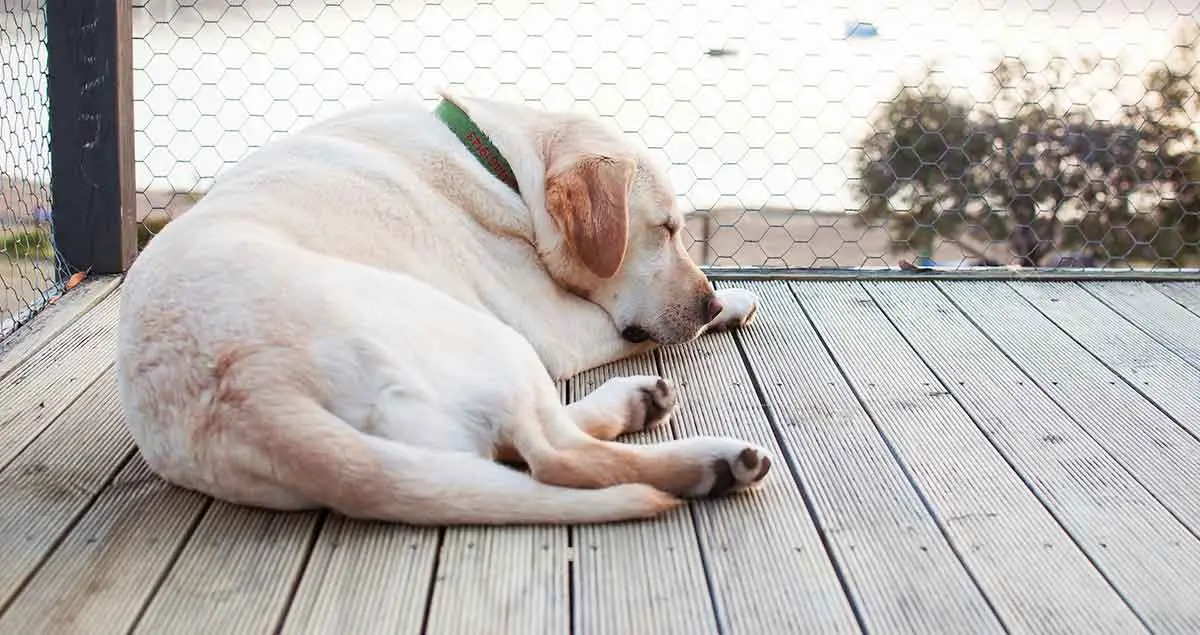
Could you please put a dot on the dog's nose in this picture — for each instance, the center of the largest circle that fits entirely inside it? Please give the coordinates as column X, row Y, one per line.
column 635, row 334
column 712, row 308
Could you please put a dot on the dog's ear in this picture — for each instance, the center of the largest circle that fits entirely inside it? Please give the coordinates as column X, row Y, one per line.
column 590, row 203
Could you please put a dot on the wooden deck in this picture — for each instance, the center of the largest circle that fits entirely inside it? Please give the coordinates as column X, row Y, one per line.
column 955, row 457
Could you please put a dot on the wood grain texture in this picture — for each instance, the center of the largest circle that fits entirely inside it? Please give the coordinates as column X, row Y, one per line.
column 110, row 563
column 364, row 577
column 769, row 570
column 639, row 577
column 1186, row 294
column 1149, row 367
column 1159, row 316
column 972, row 530
column 49, row 485
column 41, row 388
column 1155, row 450
column 235, row 575
column 52, row 320
column 1142, row 550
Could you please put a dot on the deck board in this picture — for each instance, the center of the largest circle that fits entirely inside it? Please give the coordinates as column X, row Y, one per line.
column 234, row 575
column 1186, row 294
column 1159, row 316
column 364, row 576
column 45, row 489
column 110, row 564
column 613, row 593
column 1076, row 426
column 42, row 387
column 52, row 320
column 983, row 517
column 1121, row 527
column 1163, row 456
column 513, row 579
column 770, row 572
column 1148, row 366
column 1015, row 553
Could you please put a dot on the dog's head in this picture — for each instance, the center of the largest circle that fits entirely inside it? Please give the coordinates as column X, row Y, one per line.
column 606, row 224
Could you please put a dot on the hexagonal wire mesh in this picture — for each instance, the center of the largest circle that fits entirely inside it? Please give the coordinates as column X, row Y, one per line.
column 843, row 134
column 27, row 269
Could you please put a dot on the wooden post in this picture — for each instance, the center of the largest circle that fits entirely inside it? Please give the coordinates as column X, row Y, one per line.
column 89, row 54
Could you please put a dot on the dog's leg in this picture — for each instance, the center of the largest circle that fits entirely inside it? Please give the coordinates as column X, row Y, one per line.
column 625, row 404
column 290, row 448
column 560, row 452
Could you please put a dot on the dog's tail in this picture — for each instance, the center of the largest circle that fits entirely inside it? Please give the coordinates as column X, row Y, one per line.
column 326, row 461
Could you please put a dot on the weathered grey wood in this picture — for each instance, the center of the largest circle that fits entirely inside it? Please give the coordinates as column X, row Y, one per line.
column 1163, row 319
column 1140, row 547
column 107, row 567
column 45, row 489
column 769, row 570
column 1150, row 445
column 1184, row 293
column 1148, row 366
column 513, row 578
column 907, row 563
column 235, row 574
column 52, row 320
column 640, row 577
column 501, row 580
column 37, row 391
column 364, row 577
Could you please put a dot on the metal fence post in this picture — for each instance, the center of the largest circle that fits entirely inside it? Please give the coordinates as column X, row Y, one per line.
column 89, row 54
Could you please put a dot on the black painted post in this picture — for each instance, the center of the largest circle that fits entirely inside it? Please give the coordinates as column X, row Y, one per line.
column 89, row 54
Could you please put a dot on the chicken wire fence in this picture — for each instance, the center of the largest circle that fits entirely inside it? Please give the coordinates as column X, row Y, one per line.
column 838, row 134
column 27, row 264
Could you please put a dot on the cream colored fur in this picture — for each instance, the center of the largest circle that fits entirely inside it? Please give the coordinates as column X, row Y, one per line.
column 360, row 317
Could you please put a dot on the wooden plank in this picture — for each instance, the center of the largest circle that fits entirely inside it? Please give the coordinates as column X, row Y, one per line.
column 640, row 577
column 907, row 564
column 1140, row 547
column 513, row 578
column 501, row 580
column 365, row 577
column 770, row 572
column 55, row 479
column 1163, row 319
column 1149, row 444
column 1148, row 366
column 108, row 566
column 1187, row 294
column 37, row 391
column 90, row 89
column 18, row 346
column 235, row 575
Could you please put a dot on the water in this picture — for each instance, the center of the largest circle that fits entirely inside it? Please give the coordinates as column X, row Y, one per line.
column 773, row 123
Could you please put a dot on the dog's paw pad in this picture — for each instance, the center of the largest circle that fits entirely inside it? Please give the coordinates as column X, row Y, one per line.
column 658, row 403
column 743, row 470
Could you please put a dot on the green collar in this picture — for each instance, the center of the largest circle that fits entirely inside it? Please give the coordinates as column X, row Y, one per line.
column 477, row 142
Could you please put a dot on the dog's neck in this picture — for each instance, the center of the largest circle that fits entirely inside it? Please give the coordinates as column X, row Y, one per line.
column 477, row 142
column 524, row 144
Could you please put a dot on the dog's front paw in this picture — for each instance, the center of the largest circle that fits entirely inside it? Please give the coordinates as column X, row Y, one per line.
column 658, row 402
column 738, row 307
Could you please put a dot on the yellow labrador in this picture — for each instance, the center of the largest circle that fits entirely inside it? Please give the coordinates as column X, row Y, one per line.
column 368, row 315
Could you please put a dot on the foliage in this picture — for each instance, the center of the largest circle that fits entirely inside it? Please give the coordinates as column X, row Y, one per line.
column 27, row 244
column 1036, row 170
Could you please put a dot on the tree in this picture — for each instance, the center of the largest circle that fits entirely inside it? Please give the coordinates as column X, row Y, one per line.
column 1039, row 174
